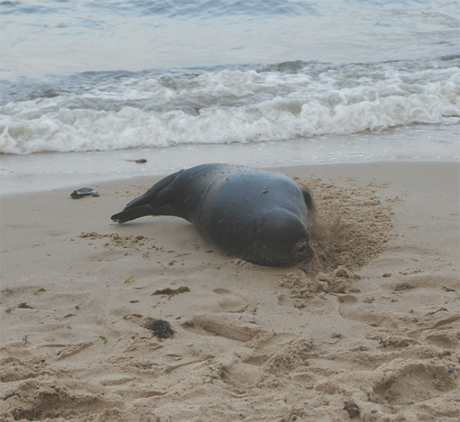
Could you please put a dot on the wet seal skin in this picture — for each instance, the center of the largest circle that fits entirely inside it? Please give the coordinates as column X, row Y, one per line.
column 249, row 213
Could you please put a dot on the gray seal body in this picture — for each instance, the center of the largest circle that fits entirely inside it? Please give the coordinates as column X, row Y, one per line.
column 252, row 214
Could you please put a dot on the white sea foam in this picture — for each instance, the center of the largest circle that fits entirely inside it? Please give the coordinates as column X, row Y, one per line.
column 217, row 107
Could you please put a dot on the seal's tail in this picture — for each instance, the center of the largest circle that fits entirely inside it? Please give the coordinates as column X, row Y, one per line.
column 132, row 213
column 156, row 201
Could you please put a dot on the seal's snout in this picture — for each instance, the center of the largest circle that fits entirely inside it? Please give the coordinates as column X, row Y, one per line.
column 303, row 251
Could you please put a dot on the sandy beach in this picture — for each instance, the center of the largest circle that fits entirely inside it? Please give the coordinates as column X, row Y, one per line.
column 370, row 329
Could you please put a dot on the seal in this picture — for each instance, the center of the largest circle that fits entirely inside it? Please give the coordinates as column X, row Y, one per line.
column 252, row 214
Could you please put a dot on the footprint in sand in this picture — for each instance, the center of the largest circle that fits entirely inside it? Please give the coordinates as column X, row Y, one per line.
column 353, row 309
column 283, row 300
column 231, row 301
column 48, row 399
column 403, row 383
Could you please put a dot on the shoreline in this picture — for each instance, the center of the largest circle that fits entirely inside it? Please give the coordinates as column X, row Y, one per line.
column 48, row 171
column 370, row 325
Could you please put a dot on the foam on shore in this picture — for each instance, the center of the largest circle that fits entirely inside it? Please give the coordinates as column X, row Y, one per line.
column 47, row 171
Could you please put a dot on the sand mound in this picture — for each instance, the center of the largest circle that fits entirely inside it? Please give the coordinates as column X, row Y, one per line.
column 349, row 227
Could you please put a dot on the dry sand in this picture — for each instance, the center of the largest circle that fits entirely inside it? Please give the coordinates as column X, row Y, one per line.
column 372, row 325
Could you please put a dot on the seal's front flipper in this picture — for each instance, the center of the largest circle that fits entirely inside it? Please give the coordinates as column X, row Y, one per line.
column 308, row 199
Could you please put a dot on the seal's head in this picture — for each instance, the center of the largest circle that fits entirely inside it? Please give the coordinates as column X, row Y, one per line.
column 283, row 239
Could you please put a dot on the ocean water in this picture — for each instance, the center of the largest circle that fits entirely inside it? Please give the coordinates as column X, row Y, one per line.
column 86, row 86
